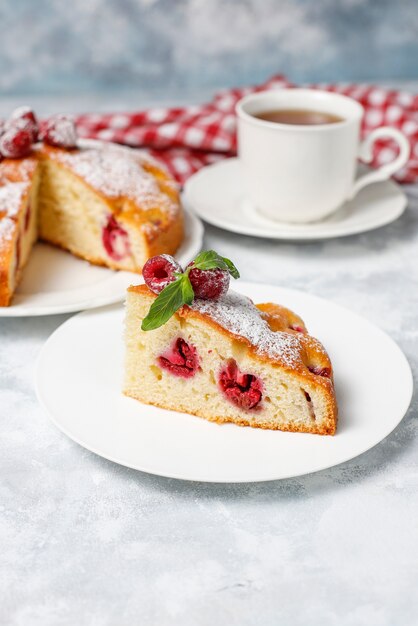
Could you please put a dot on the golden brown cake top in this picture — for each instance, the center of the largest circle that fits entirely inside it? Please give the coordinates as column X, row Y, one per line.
column 120, row 172
column 260, row 329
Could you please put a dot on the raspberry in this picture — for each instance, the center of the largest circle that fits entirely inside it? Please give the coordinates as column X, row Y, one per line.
column 298, row 329
column 24, row 118
column 243, row 390
column 27, row 217
column 23, row 112
column 18, row 252
column 209, row 284
column 181, row 360
column 159, row 271
column 15, row 143
column 115, row 240
column 59, row 131
column 320, row 371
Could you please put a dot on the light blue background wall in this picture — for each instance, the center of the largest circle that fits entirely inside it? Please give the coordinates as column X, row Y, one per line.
column 62, row 46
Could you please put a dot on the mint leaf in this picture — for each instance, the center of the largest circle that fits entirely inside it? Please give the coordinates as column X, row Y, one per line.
column 231, row 267
column 209, row 260
column 168, row 302
column 205, row 255
column 212, row 265
column 187, row 289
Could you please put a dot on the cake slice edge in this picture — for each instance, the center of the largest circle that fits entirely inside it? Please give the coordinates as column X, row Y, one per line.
column 297, row 391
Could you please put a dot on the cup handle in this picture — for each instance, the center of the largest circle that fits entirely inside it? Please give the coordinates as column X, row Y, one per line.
column 384, row 172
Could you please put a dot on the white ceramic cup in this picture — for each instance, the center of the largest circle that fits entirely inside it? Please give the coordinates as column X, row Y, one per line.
column 302, row 173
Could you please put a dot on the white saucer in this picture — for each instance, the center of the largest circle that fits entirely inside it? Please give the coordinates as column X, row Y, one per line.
column 79, row 376
column 55, row 281
column 215, row 194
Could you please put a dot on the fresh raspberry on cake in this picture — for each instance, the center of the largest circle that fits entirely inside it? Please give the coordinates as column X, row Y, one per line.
column 59, row 131
column 16, row 142
column 159, row 271
column 209, row 284
column 24, row 117
column 24, row 112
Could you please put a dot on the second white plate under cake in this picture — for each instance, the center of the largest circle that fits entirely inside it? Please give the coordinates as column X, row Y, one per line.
column 55, row 281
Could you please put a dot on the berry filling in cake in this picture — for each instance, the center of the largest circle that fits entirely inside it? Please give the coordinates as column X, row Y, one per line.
column 320, row 371
column 243, row 390
column 297, row 328
column 115, row 240
column 27, row 217
column 310, row 405
column 18, row 252
column 180, row 360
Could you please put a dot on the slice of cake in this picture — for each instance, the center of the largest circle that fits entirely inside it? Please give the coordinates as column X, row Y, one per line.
column 107, row 204
column 220, row 356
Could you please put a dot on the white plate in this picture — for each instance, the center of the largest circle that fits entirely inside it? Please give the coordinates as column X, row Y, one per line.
column 55, row 281
column 78, row 382
column 215, row 193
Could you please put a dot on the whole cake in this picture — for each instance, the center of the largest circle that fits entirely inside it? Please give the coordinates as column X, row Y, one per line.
column 108, row 204
column 192, row 345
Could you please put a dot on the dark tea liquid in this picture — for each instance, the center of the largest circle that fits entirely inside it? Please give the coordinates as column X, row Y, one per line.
column 298, row 117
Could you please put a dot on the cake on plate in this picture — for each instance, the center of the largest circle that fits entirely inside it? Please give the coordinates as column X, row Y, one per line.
column 194, row 345
column 108, row 204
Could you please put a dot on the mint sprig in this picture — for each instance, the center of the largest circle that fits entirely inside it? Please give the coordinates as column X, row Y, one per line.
column 210, row 260
column 180, row 291
column 169, row 301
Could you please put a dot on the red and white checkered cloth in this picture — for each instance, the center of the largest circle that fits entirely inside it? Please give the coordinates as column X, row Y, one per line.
column 188, row 138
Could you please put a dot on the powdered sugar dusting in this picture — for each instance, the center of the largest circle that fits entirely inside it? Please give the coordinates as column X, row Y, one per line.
column 241, row 317
column 11, row 196
column 116, row 171
column 7, row 227
column 19, row 170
